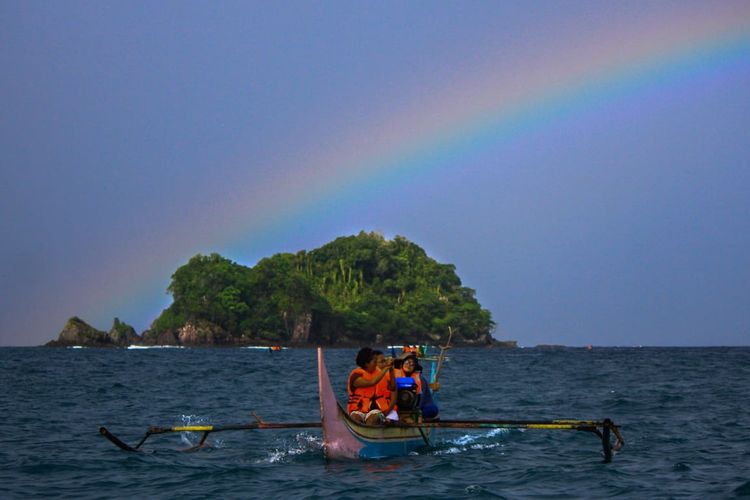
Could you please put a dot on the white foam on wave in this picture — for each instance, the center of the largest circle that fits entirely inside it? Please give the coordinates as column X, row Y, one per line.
column 454, row 450
column 303, row 443
column 156, row 347
column 471, row 438
column 448, row 451
column 470, row 442
column 261, row 347
column 194, row 438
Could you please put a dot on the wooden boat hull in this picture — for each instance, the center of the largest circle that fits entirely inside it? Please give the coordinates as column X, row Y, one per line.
column 345, row 438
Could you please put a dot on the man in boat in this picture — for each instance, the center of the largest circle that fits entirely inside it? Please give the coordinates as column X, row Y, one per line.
column 361, row 387
column 385, row 390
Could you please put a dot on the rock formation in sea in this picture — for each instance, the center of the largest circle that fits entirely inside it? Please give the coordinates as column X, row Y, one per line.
column 201, row 333
column 122, row 334
column 152, row 337
column 77, row 332
column 504, row 344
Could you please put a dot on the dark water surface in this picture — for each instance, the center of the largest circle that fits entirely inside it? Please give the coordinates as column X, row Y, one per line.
column 685, row 414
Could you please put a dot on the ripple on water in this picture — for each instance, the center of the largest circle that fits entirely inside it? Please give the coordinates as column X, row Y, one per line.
column 743, row 490
column 673, row 415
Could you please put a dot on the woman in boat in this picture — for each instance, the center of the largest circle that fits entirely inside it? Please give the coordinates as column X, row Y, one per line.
column 361, row 387
column 411, row 368
column 408, row 367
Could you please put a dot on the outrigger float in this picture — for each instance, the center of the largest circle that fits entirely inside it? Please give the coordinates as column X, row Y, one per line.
column 344, row 438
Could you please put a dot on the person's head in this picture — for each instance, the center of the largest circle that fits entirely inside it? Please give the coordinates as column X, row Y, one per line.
column 366, row 359
column 408, row 363
column 379, row 358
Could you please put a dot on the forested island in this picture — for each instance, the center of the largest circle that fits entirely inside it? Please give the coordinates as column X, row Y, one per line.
column 356, row 290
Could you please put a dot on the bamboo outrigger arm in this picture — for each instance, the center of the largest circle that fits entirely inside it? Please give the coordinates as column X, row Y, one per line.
column 603, row 429
column 205, row 429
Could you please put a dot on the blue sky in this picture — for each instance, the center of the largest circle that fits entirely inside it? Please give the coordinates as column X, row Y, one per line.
column 135, row 135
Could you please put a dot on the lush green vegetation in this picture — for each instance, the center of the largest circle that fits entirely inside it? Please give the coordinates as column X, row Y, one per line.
column 356, row 289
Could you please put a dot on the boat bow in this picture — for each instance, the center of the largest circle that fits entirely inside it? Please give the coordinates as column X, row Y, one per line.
column 338, row 441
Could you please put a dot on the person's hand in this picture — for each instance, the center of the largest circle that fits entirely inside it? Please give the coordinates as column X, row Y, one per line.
column 435, row 386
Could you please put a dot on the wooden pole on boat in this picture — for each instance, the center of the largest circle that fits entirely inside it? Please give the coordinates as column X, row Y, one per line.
column 441, row 358
column 206, row 430
column 600, row 428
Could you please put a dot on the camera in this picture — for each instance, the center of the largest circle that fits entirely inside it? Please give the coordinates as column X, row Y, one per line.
column 407, row 398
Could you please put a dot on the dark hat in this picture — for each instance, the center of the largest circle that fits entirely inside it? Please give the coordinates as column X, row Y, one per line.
column 406, row 355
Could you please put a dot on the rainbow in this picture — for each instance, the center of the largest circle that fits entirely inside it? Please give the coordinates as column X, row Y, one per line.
column 427, row 145
column 439, row 130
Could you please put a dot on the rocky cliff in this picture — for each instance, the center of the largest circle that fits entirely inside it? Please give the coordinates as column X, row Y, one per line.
column 202, row 333
column 78, row 332
column 122, row 334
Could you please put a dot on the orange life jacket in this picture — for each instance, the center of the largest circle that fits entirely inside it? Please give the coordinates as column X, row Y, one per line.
column 413, row 349
column 383, row 392
column 360, row 398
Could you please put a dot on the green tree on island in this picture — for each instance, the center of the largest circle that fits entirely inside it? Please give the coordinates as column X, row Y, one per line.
column 353, row 290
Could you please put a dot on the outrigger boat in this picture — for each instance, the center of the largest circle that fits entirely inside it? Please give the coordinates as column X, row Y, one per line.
column 343, row 438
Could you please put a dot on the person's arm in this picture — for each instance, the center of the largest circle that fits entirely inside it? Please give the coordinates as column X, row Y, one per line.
column 427, row 388
column 361, row 381
column 392, row 388
column 426, row 393
column 392, row 403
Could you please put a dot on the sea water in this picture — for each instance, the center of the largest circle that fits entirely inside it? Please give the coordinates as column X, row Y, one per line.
column 684, row 412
